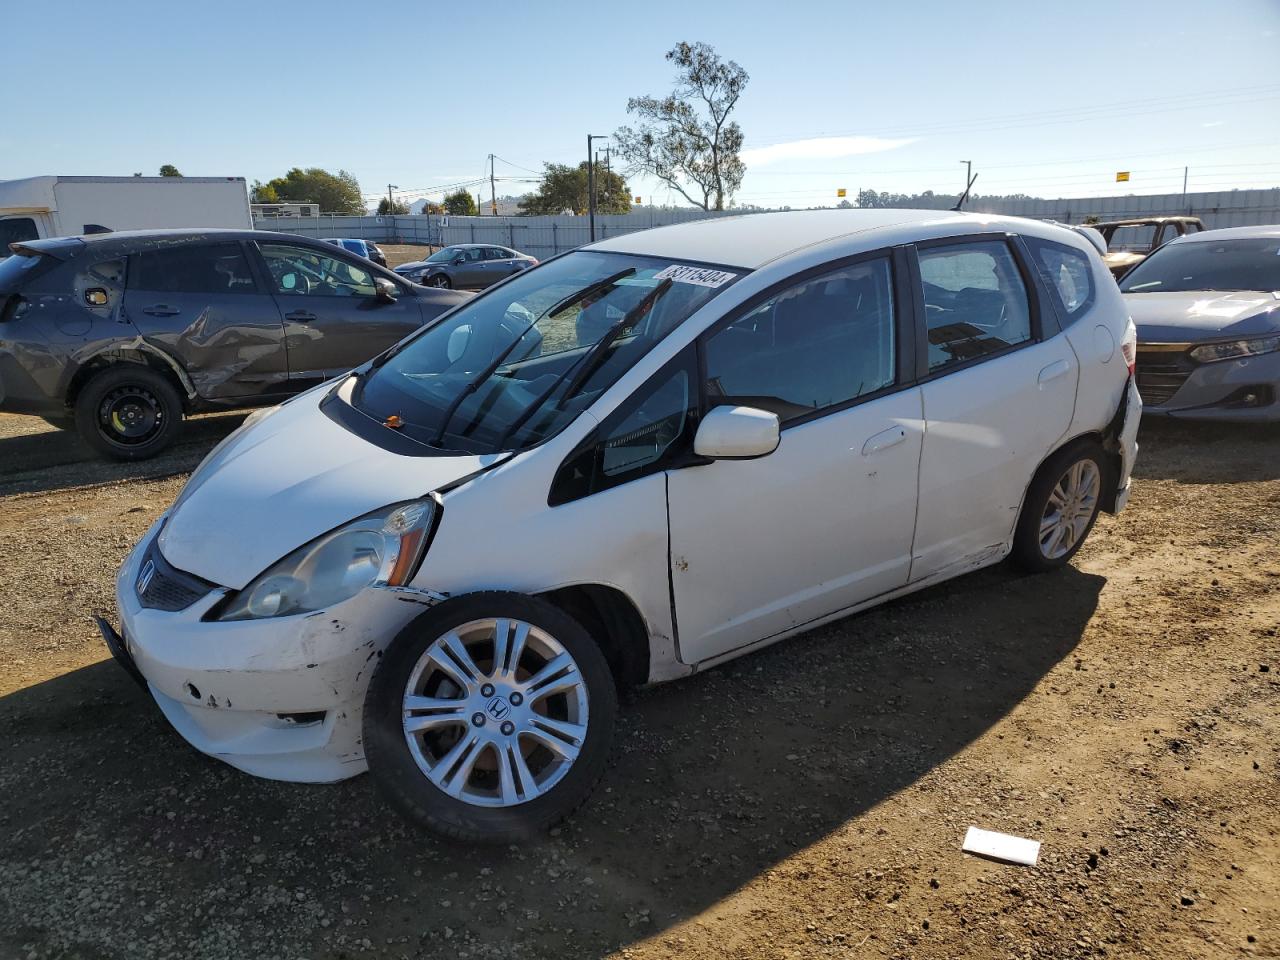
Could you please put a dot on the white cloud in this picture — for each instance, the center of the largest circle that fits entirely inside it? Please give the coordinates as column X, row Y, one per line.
column 820, row 148
column 1214, row 123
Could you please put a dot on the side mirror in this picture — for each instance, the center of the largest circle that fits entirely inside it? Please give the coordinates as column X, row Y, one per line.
column 737, row 433
column 459, row 261
column 384, row 290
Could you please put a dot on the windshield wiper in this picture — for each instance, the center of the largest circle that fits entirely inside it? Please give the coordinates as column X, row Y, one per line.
column 488, row 371
column 590, row 360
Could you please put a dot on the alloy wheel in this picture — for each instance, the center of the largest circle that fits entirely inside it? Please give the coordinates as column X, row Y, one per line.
column 495, row 712
column 1072, row 503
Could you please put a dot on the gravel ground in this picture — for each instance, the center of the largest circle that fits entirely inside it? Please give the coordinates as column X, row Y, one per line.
column 806, row 801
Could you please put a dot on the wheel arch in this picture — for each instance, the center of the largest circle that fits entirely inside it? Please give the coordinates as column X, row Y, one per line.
column 1104, row 441
column 136, row 352
column 614, row 621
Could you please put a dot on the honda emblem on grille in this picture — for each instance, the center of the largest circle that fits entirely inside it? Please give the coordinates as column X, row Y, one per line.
column 146, row 576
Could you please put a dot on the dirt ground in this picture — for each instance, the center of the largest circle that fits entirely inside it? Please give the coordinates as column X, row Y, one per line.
column 806, row 801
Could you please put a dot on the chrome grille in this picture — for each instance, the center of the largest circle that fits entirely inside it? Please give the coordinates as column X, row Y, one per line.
column 1162, row 371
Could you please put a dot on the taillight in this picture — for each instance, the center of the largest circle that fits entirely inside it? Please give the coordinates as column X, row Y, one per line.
column 1129, row 345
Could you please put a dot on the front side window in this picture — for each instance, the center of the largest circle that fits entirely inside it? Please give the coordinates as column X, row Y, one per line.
column 193, row 268
column 1251, row 263
column 446, row 255
column 1069, row 273
column 515, row 365
column 975, row 301
column 820, row 343
column 300, row 271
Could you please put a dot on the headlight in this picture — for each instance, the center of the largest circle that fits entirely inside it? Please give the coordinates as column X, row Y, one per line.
column 381, row 549
column 1235, row 348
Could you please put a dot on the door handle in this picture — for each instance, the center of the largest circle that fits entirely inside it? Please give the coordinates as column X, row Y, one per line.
column 884, row 440
column 301, row 316
column 160, row 310
column 1054, row 370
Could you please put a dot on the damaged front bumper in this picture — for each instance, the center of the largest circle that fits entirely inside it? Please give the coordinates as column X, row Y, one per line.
column 280, row 698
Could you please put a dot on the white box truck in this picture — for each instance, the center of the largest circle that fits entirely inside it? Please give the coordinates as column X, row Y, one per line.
column 37, row 207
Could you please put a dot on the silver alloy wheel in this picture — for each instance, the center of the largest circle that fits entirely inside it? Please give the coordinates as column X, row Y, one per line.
column 495, row 712
column 1072, row 504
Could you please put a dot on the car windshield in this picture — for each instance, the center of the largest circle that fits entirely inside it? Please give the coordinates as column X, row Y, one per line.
column 1132, row 239
column 445, row 255
column 515, row 365
column 1245, row 264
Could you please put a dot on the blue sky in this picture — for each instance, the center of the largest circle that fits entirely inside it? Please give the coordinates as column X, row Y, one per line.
column 1047, row 99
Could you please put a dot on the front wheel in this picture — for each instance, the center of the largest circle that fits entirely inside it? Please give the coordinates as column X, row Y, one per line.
column 1060, row 509
column 128, row 412
column 440, row 281
column 490, row 717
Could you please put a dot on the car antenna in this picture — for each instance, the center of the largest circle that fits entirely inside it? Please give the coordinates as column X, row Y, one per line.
column 965, row 196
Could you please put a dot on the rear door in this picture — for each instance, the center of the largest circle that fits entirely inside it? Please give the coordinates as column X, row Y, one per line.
column 999, row 387
column 204, row 305
column 333, row 320
column 472, row 271
column 500, row 262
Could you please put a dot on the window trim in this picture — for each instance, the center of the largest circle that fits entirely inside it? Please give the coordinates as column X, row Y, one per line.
column 1036, row 303
column 904, row 329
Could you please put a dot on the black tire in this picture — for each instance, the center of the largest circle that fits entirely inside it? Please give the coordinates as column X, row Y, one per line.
column 401, row 780
column 1030, row 551
column 440, row 281
column 128, row 412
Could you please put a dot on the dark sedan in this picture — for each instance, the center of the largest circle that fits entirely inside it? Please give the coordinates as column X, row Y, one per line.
column 472, row 265
column 121, row 334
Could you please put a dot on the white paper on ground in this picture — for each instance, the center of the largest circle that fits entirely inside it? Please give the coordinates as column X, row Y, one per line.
column 1001, row 846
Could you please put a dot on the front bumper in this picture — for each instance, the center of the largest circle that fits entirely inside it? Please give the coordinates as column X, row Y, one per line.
column 282, row 698
column 1247, row 389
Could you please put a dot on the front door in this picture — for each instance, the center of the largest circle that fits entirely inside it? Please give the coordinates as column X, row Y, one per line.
column 332, row 317
column 998, row 398
column 203, row 305
column 762, row 547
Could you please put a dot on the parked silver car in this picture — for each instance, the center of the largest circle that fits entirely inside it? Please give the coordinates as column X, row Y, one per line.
column 473, row 265
column 1207, row 309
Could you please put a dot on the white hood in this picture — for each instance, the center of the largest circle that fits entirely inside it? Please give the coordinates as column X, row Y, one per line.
column 282, row 482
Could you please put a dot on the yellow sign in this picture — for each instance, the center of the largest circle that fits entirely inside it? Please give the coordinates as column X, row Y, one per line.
column 1122, row 176
column 841, row 192
column 637, row 200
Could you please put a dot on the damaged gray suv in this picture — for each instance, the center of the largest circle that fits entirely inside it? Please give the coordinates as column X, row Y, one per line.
column 120, row 335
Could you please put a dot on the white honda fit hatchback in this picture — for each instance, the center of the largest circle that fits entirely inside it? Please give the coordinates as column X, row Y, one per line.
column 625, row 465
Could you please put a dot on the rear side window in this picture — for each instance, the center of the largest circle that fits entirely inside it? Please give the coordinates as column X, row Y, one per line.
column 975, row 301
column 496, row 253
column 1070, row 276
column 202, row 268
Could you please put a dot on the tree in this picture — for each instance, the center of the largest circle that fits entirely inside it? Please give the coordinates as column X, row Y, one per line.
column 395, row 209
column 565, row 188
column 169, row 170
column 686, row 139
column 335, row 193
column 460, row 204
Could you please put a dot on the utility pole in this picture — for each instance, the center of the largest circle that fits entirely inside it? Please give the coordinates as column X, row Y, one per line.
column 493, row 191
column 391, row 204
column 591, row 182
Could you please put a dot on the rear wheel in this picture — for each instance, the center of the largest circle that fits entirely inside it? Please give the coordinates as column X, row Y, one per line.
column 1061, row 506
column 128, row 412
column 489, row 717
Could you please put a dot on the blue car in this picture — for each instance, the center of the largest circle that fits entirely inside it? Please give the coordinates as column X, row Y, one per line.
column 362, row 248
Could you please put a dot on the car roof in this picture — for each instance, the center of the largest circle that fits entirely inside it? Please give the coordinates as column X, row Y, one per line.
column 1232, row 233
column 752, row 240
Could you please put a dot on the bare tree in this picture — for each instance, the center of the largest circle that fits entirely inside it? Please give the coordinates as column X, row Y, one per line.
column 686, row 139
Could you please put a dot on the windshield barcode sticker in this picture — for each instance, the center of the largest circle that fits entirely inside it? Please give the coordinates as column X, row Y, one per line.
column 696, row 275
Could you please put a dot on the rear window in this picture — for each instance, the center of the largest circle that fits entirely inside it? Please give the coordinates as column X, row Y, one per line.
column 1069, row 273
column 16, row 230
column 204, row 268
